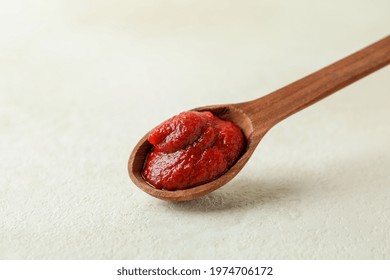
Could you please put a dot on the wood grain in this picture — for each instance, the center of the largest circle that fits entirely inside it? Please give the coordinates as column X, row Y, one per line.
column 278, row 105
column 257, row 117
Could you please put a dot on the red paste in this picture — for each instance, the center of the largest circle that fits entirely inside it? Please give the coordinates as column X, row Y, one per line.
column 190, row 149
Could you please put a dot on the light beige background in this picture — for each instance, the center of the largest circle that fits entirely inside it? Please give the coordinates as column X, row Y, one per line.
column 81, row 81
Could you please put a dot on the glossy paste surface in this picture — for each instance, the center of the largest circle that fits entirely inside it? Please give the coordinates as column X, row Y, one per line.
column 190, row 149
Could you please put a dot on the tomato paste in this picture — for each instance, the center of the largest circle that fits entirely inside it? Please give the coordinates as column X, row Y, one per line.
column 190, row 149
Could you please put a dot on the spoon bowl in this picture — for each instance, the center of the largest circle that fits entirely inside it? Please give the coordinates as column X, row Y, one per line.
column 257, row 117
column 231, row 112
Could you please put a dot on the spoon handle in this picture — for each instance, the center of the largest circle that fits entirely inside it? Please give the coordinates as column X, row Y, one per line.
column 278, row 105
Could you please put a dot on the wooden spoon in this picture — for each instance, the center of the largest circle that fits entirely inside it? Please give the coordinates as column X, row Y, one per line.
column 257, row 117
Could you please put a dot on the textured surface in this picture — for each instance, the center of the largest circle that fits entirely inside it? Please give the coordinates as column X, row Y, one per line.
column 82, row 81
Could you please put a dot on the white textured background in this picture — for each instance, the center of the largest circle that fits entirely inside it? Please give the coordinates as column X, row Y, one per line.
column 81, row 81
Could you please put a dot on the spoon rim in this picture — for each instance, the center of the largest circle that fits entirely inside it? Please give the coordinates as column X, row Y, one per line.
column 193, row 192
column 143, row 146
